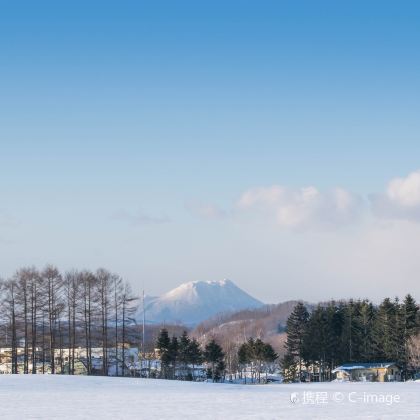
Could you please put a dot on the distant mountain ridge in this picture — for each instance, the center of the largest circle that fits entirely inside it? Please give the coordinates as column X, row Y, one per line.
column 193, row 302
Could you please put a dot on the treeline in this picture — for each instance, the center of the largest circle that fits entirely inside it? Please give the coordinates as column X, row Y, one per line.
column 258, row 355
column 180, row 358
column 351, row 331
column 45, row 315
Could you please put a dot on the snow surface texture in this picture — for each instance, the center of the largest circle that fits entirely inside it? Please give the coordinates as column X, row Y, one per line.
column 81, row 397
column 196, row 301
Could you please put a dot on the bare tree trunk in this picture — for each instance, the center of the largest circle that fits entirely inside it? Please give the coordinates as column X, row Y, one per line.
column 43, row 342
column 33, row 323
column 85, row 321
column 53, row 284
column 116, row 325
column 51, row 311
column 13, row 322
column 69, row 318
column 74, row 302
column 89, row 356
column 61, row 344
column 104, row 279
column 123, row 336
column 104, row 332
column 25, row 320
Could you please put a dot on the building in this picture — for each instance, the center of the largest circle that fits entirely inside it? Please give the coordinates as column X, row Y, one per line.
column 368, row 372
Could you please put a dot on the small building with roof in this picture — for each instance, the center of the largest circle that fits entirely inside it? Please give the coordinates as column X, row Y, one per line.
column 368, row 372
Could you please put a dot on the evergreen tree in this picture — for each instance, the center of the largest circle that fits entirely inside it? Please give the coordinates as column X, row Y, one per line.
column 353, row 331
column 296, row 329
column 173, row 355
column 243, row 357
column 386, row 331
column 368, row 346
column 409, row 315
column 313, row 347
column 213, row 354
column 411, row 311
column 351, row 339
column 163, row 344
column 195, row 355
column 184, row 353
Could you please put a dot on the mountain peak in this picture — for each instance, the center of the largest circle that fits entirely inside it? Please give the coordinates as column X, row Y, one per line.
column 195, row 301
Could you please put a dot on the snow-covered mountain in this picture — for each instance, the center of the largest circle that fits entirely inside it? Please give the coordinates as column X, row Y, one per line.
column 193, row 302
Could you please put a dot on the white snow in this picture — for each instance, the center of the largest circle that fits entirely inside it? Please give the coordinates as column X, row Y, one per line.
column 81, row 397
column 193, row 302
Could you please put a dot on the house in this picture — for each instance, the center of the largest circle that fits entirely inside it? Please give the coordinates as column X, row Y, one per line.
column 368, row 372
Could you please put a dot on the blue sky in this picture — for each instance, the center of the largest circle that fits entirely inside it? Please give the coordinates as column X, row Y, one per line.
column 129, row 132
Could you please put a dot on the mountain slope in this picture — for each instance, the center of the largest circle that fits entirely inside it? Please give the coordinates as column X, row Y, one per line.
column 266, row 322
column 196, row 301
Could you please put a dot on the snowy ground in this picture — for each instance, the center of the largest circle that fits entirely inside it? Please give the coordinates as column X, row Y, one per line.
column 66, row 397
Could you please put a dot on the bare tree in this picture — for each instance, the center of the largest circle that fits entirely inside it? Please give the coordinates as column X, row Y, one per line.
column 35, row 304
column 53, row 285
column 22, row 277
column 9, row 309
column 104, row 286
column 128, row 310
column 51, row 315
column 117, row 291
column 71, row 286
column 88, row 282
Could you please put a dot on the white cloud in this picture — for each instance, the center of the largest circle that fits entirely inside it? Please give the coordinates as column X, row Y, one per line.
column 303, row 208
column 401, row 199
column 308, row 207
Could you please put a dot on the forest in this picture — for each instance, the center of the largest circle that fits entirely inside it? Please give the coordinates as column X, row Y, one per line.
column 334, row 333
column 180, row 357
column 45, row 316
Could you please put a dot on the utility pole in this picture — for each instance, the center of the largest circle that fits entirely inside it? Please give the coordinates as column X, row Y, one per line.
column 142, row 338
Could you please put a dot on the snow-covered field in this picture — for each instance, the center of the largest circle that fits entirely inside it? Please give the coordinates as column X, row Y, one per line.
column 66, row 397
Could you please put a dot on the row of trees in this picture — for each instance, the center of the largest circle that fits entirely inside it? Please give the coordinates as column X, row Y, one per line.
column 180, row 357
column 258, row 355
column 47, row 315
column 181, row 354
column 340, row 332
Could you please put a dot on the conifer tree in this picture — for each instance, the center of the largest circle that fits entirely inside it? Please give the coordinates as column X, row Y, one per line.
column 213, row 354
column 184, row 353
column 368, row 346
column 243, row 357
column 173, row 355
column 195, row 355
column 296, row 329
column 409, row 317
column 163, row 344
column 386, row 331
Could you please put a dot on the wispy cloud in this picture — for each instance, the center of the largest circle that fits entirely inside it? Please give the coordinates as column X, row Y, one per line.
column 138, row 218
